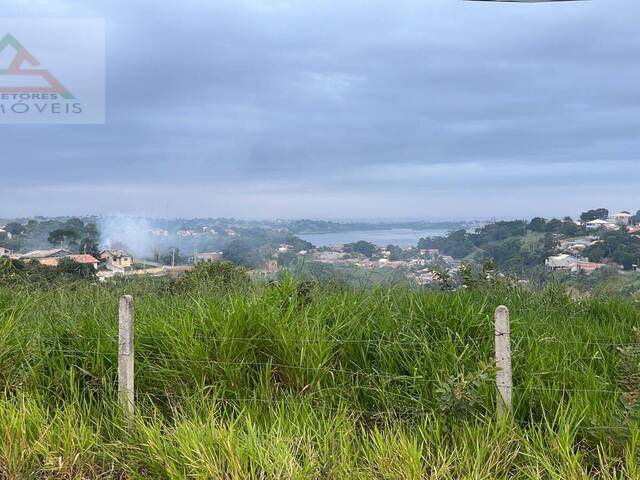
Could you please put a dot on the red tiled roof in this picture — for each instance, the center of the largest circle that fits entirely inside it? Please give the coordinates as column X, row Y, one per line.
column 54, row 261
column 84, row 258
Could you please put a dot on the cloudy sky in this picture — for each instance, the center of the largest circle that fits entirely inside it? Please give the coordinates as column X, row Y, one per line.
column 343, row 109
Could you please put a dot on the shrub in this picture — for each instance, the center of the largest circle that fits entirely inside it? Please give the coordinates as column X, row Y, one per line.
column 214, row 275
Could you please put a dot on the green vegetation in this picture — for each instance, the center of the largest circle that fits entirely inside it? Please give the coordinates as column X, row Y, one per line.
column 618, row 246
column 256, row 245
column 596, row 214
column 71, row 233
column 517, row 247
column 297, row 380
column 521, row 248
column 212, row 276
column 361, row 247
column 18, row 273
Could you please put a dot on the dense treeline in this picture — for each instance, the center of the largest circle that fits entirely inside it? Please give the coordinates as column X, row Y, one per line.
column 74, row 234
column 521, row 247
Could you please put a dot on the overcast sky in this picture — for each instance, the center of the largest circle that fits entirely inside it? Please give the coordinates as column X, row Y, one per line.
column 344, row 109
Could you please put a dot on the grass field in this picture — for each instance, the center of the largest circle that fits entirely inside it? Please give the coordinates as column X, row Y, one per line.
column 285, row 381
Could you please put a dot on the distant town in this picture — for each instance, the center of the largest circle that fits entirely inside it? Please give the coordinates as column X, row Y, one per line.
column 121, row 247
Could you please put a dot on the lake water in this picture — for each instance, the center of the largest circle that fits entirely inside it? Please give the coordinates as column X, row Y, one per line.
column 403, row 237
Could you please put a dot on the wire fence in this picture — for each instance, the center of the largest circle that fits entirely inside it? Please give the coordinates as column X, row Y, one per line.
column 143, row 351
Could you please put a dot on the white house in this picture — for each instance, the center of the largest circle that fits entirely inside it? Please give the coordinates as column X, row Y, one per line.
column 560, row 262
column 598, row 224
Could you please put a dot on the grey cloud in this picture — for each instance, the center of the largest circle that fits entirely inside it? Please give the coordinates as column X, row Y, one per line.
column 246, row 93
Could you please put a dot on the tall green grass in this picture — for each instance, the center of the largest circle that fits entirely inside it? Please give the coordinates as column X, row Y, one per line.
column 291, row 381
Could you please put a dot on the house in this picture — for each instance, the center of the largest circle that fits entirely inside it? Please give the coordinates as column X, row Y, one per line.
column 622, row 218
column 207, row 257
column 560, row 262
column 186, row 232
column 571, row 264
column 575, row 246
column 598, row 224
column 39, row 254
column 589, row 267
column 328, row 256
column 5, row 252
column 4, row 235
column 84, row 259
column 118, row 260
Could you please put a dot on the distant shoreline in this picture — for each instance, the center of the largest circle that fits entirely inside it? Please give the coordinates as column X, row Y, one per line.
column 403, row 237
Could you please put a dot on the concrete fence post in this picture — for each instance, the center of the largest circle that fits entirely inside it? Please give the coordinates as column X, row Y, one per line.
column 503, row 362
column 126, row 354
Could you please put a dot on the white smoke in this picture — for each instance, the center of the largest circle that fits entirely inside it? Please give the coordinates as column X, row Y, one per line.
column 128, row 233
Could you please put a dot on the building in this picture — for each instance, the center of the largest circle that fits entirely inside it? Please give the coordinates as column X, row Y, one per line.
column 84, row 259
column 575, row 246
column 117, row 260
column 561, row 262
column 622, row 218
column 588, row 267
column 598, row 224
column 208, row 257
column 4, row 235
column 187, row 232
column 5, row 252
column 570, row 263
column 40, row 254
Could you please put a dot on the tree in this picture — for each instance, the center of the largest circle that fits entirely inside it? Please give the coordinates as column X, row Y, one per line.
column 569, row 227
column 298, row 243
column 286, row 259
column 75, row 270
column 74, row 224
column 597, row 214
column 90, row 247
column 241, row 253
column 554, row 226
column 458, row 244
column 215, row 275
column 500, row 231
column 172, row 257
column 619, row 246
column 395, row 252
column 63, row 237
column 15, row 228
column 364, row 248
column 537, row 224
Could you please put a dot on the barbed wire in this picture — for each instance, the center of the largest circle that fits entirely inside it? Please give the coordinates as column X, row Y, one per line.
column 140, row 340
column 142, row 356
column 559, row 389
